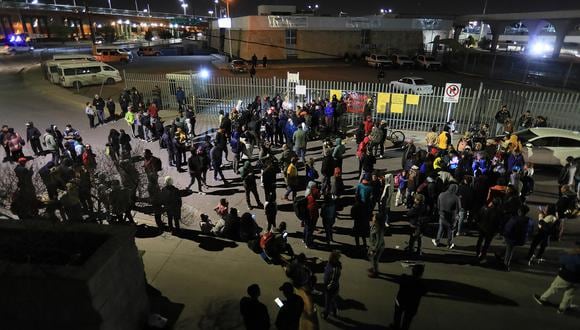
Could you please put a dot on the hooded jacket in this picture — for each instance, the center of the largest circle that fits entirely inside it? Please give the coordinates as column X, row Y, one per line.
column 339, row 149
column 449, row 203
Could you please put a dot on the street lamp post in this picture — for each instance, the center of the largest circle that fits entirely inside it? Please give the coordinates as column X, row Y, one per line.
column 110, row 7
column 136, row 6
column 184, row 6
column 215, row 7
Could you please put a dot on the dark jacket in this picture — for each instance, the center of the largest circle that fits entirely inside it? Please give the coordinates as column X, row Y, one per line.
column 516, row 230
column 488, row 220
column 255, row 314
column 195, row 164
column 289, row 314
column 570, row 268
column 171, row 198
column 32, row 133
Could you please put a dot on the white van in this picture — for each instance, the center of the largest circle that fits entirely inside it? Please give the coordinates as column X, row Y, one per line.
column 73, row 57
column 78, row 74
column 50, row 69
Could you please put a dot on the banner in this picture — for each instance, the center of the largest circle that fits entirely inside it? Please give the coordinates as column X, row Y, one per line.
column 336, row 92
column 382, row 100
column 412, row 99
column 355, row 102
column 397, row 103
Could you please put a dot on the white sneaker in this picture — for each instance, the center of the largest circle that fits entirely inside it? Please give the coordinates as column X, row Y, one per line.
column 531, row 261
column 434, row 241
column 451, row 246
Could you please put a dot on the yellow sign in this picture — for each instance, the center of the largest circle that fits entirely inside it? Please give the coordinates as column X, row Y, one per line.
column 412, row 99
column 382, row 100
column 336, row 92
column 396, row 108
column 397, row 103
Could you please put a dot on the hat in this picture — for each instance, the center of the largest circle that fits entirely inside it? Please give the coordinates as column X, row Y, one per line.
column 22, row 160
column 286, row 287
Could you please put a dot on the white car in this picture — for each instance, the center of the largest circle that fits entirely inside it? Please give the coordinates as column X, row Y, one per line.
column 414, row 85
column 549, row 146
column 401, row 61
column 377, row 61
column 427, row 62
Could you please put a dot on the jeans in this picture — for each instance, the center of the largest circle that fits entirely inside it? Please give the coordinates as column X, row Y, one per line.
column 462, row 218
column 448, row 227
column 91, row 121
column 253, row 189
column 290, row 189
column 308, row 232
column 561, row 284
column 301, row 153
column 101, row 116
column 195, row 176
column 509, row 253
column 374, row 258
column 415, row 237
column 36, row 146
column 330, row 302
column 542, row 238
column 173, row 218
column 482, row 245
column 498, row 128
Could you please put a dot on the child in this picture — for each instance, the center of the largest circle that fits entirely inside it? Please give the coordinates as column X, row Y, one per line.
column 336, row 183
column 205, row 224
column 311, row 173
column 401, row 185
column 271, row 209
column 222, row 208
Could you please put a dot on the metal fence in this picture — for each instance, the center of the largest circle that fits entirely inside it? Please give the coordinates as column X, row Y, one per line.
column 475, row 106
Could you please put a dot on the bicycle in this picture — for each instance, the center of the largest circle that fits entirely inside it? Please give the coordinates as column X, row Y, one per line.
column 396, row 137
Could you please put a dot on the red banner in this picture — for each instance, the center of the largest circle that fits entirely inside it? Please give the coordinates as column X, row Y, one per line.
column 355, row 102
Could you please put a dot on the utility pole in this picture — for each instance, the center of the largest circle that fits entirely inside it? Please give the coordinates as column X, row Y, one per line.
column 481, row 28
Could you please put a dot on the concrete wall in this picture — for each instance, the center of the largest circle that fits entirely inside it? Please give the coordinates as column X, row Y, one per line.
column 106, row 292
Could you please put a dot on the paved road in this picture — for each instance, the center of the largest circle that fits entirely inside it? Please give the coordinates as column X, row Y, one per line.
column 205, row 277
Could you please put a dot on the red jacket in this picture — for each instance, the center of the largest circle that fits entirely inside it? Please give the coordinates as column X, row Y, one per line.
column 311, row 204
column 153, row 112
column 368, row 126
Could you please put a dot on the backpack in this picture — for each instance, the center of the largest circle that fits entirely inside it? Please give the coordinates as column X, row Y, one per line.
column 265, row 239
column 300, row 207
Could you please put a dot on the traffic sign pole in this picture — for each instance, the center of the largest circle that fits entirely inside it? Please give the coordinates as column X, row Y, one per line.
column 449, row 112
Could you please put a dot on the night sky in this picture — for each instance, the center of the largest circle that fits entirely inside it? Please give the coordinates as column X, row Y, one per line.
column 352, row 7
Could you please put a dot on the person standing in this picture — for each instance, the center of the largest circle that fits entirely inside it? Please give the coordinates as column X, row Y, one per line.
column 515, row 234
column 51, row 146
column 501, row 117
column 252, row 72
column 264, row 61
column 328, row 214
column 448, row 205
column 418, row 218
column 376, row 244
column 195, row 165
column 130, row 119
column 567, row 174
column 111, row 109
column 313, row 194
column 156, row 95
column 99, row 105
column 291, row 179
column 170, row 198
column 548, row 224
column 216, row 163
column 411, row 290
column 289, row 315
column 250, row 187
column 488, row 223
column 299, row 141
column 33, row 137
column 180, row 98
column 332, row 273
column 567, row 280
column 254, row 313
column 254, row 60
column 90, row 112
column 125, row 143
column 271, row 209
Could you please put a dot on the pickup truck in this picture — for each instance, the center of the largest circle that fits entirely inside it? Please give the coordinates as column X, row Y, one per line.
column 427, row 62
column 412, row 85
column 377, row 61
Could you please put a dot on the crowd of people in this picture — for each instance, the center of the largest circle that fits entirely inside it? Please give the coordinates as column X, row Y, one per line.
column 470, row 185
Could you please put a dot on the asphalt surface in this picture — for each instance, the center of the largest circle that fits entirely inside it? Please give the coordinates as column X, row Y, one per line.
column 203, row 278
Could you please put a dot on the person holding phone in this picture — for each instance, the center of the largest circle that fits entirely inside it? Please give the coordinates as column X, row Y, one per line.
column 290, row 309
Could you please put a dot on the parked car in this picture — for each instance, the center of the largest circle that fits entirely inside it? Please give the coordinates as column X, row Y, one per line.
column 402, row 61
column 549, row 146
column 427, row 62
column 414, row 85
column 113, row 54
column 377, row 61
column 99, row 40
column 148, row 51
column 238, row 66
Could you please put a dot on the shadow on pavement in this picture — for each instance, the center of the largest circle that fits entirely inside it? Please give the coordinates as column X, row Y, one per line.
column 163, row 306
column 446, row 289
column 342, row 322
column 221, row 314
column 207, row 243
